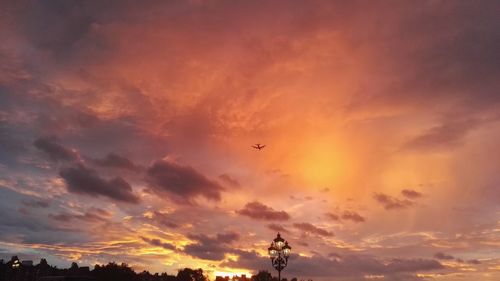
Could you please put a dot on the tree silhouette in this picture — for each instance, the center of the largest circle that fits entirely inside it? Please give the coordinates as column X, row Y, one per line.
column 188, row 274
column 74, row 266
column 262, row 276
column 114, row 272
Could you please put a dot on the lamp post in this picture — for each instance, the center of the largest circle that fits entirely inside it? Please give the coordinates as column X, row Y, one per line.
column 279, row 251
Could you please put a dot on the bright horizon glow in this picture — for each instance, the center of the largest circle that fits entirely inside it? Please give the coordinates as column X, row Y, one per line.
column 232, row 274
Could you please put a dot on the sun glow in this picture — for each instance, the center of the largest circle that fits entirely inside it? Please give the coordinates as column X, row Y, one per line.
column 323, row 163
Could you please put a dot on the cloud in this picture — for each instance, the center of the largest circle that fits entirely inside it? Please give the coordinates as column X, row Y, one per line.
column 81, row 180
column 183, row 183
column 229, row 180
column 259, row 211
column 248, row 259
column 332, row 216
column 346, row 215
column 443, row 256
column 60, row 42
column 337, row 266
column 91, row 215
column 62, row 217
column 211, row 248
column 392, row 203
column 54, row 150
column 159, row 243
column 29, row 227
column 310, row 228
column 116, row 161
column 277, row 228
column 36, row 203
column 412, row 265
column 353, row 216
column 443, row 66
column 446, row 135
column 227, row 237
column 411, row 194
column 163, row 220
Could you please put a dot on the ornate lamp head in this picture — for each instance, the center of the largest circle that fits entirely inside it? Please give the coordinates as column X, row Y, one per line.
column 286, row 250
column 279, row 242
column 273, row 253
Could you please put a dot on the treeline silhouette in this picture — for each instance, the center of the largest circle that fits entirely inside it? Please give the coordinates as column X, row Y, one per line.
column 15, row 270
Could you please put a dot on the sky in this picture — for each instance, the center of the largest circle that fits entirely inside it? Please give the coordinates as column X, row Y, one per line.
column 126, row 130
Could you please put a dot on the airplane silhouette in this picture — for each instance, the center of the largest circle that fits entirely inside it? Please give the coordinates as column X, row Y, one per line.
column 258, row 146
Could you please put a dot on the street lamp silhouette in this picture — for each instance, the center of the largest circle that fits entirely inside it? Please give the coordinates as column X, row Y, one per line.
column 279, row 251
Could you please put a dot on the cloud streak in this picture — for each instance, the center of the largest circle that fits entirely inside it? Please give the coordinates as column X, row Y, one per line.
column 392, row 203
column 311, row 229
column 54, row 150
column 259, row 211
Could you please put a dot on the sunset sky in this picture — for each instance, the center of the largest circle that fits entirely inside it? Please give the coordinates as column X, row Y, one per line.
column 126, row 130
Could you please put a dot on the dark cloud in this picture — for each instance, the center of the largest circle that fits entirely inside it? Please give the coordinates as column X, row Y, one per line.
column 159, row 243
column 310, row 228
column 229, row 181
column 259, row 211
column 67, row 24
column 211, row 248
column 346, row 215
column 332, row 216
column 81, row 180
column 54, row 150
column 36, row 203
column 183, row 183
column 391, row 203
column 443, row 256
column 30, row 227
column 10, row 142
column 334, row 255
column 91, row 215
column 248, row 259
column 446, row 135
column 412, row 265
column 116, row 161
column 457, row 71
column 63, row 217
column 411, row 194
column 227, row 237
column 54, row 110
column 302, row 243
column 23, row 211
column 277, row 228
column 163, row 220
column 353, row 216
